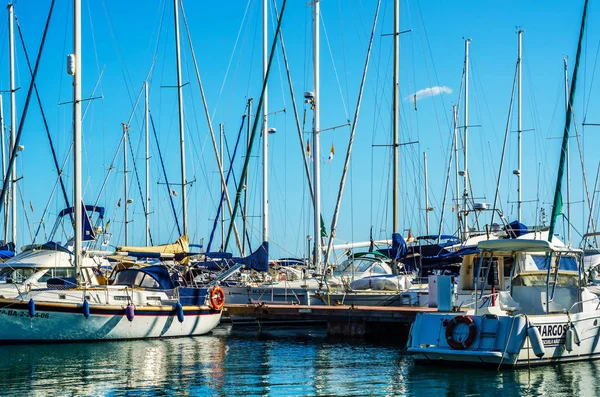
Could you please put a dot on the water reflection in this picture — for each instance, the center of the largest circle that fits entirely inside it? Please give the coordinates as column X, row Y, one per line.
column 278, row 363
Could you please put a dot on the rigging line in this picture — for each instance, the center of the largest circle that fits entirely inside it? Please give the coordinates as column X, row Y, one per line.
column 230, row 58
column 210, row 128
column 229, row 173
column 121, row 141
column 256, row 120
column 592, row 82
column 337, row 77
column 557, row 202
column 296, row 117
column 137, row 178
column 351, row 140
column 162, row 164
column 445, row 190
column 39, row 101
column 584, row 175
column 11, row 162
column 25, row 211
column 591, row 215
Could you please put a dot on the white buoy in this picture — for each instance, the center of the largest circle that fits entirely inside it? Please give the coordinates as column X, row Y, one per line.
column 536, row 340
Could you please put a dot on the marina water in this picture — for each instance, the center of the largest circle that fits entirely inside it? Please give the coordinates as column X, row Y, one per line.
column 274, row 362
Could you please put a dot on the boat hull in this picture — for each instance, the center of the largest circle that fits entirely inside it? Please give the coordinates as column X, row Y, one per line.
column 66, row 322
column 503, row 340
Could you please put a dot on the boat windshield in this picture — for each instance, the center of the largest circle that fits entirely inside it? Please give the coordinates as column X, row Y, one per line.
column 134, row 277
column 360, row 266
column 541, row 262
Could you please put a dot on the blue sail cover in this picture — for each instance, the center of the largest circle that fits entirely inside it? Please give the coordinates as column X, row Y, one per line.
column 399, row 248
column 258, row 260
column 516, row 229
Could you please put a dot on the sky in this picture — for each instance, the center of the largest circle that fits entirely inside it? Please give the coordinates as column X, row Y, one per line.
column 127, row 43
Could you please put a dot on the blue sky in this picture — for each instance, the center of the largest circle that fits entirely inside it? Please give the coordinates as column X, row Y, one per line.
column 123, row 38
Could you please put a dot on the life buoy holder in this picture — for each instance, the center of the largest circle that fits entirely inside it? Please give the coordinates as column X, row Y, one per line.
column 217, row 298
column 468, row 341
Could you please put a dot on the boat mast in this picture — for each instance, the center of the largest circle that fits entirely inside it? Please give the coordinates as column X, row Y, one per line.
column 181, row 123
column 426, row 194
column 13, row 119
column 466, row 143
column 221, row 166
column 147, row 116
column 519, row 128
column 265, row 130
column 316, row 138
column 457, row 186
column 77, row 199
column 396, row 138
column 245, row 204
column 568, row 163
column 126, row 193
column 3, row 148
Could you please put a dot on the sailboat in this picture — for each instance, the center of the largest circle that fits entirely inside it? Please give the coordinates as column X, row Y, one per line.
column 141, row 303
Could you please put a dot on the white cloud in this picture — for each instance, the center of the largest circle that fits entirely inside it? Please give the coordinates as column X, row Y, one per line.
column 427, row 92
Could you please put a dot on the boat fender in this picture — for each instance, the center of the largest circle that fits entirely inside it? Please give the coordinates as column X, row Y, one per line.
column 217, row 298
column 576, row 338
column 86, row 309
column 569, row 340
column 536, row 340
column 31, row 307
column 129, row 312
column 179, row 310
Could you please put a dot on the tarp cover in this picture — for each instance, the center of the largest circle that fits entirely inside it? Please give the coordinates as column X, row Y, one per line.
column 181, row 246
column 258, row 260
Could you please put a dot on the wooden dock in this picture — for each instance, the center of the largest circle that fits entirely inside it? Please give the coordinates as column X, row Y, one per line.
column 340, row 320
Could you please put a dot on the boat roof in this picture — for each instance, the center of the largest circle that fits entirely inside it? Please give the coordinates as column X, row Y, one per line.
column 513, row 245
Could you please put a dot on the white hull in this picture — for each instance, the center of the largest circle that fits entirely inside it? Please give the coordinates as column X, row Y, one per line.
column 58, row 322
column 507, row 343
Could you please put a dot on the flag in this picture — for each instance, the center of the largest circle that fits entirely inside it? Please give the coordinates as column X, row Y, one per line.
column 31, row 206
column 308, row 149
column 119, row 203
column 331, row 153
column 173, row 192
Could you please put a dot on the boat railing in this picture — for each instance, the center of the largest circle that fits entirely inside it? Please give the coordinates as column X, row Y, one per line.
column 473, row 301
column 584, row 301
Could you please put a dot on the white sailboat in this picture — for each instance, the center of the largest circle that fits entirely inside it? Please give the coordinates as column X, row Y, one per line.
column 141, row 303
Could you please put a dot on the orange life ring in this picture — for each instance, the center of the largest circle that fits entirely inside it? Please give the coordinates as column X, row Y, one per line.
column 217, row 298
column 460, row 345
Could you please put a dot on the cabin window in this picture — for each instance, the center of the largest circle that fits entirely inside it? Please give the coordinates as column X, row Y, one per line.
column 149, row 282
column 378, row 269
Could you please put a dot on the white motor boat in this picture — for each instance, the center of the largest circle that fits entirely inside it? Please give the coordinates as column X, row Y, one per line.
column 546, row 315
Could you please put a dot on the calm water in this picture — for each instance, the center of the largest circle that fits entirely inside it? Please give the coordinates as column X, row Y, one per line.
column 240, row 362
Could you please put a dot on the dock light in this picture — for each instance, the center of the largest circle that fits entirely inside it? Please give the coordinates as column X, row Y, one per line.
column 271, row 130
column 461, row 173
column 517, row 172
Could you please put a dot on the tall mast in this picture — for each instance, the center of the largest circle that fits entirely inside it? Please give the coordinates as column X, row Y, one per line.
column 3, row 148
column 426, row 194
column 316, row 140
column 245, row 214
column 221, row 165
column 395, row 228
column 77, row 199
column 13, row 119
column 466, row 143
column 519, row 128
column 181, row 125
column 568, row 163
column 126, row 193
column 147, row 114
column 265, row 130
column 457, row 186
